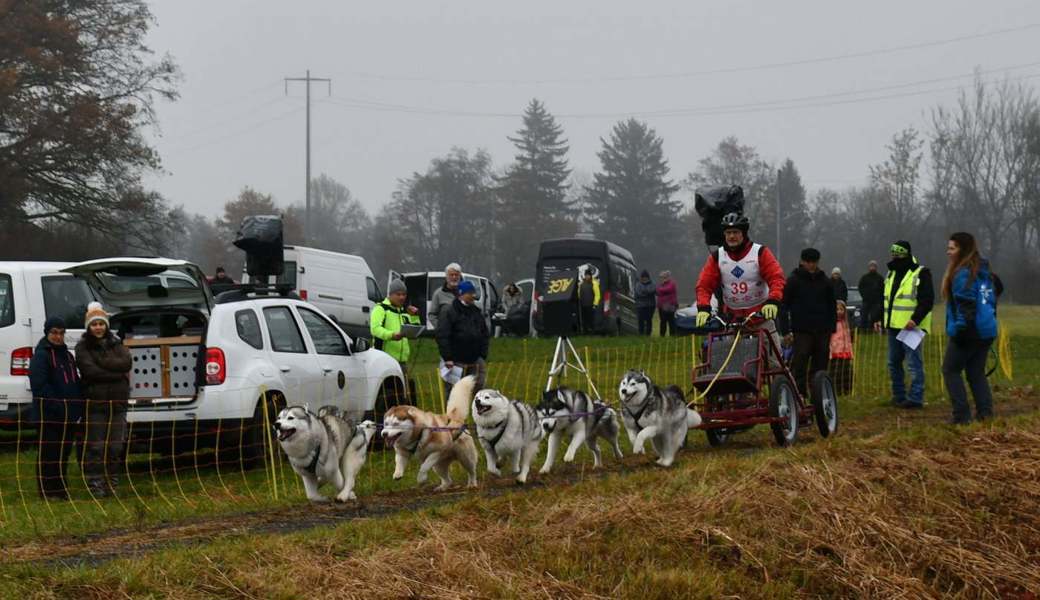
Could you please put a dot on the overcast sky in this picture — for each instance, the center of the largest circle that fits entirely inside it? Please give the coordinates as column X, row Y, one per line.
column 411, row 79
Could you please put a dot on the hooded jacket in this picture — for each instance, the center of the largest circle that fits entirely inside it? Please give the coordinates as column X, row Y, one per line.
column 54, row 380
column 971, row 311
column 645, row 293
column 462, row 334
column 809, row 303
column 104, row 365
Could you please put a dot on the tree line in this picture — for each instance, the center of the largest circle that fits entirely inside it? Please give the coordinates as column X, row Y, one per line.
column 72, row 157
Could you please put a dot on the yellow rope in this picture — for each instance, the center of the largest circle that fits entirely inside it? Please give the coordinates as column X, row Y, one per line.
column 733, row 348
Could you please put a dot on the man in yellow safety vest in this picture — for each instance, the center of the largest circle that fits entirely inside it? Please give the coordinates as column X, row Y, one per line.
column 908, row 301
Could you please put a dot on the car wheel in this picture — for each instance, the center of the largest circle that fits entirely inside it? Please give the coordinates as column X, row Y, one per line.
column 245, row 444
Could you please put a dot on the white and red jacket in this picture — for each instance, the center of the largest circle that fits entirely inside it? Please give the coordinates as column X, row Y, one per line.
column 750, row 278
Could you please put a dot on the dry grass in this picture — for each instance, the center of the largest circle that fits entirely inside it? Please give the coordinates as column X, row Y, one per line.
column 907, row 515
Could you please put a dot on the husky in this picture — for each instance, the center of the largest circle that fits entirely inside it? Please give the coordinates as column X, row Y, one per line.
column 435, row 440
column 507, row 427
column 651, row 413
column 324, row 448
column 565, row 411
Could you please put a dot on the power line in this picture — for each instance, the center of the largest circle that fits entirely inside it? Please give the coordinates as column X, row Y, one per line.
column 243, row 131
column 705, row 72
column 815, row 101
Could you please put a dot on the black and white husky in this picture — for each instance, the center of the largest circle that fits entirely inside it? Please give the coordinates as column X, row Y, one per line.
column 506, row 427
column 655, row 414
column 324, row 447
column 565, row 411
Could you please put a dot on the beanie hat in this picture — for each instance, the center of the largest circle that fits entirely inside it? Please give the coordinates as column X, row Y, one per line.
column 96, row 312
column 467, row 287
column 901, row 247
column 53, row 323
column 396, row 286
column 836, row 271
column 811, row 255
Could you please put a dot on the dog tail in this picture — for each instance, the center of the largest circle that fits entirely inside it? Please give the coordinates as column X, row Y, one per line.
column 460, row 398
column 693, row 418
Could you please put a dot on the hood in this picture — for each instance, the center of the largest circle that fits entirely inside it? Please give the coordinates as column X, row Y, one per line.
column 128, row 283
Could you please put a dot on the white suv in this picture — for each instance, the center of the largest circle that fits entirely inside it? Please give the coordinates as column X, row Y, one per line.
column 203, row 366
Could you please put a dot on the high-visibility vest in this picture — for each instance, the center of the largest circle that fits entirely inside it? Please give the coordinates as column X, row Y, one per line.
column 899, row 309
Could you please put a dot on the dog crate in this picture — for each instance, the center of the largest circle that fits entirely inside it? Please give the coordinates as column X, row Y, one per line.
column 163, row 368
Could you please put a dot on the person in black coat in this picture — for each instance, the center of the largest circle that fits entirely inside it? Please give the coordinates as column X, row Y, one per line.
column 811, row 317
column 841, row 290
column 463, row 335
column 872, row 290
column 58, row 401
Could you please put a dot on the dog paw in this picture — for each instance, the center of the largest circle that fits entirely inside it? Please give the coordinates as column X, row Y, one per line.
column 545, row 470
column 346, row 497
column 520, row 481
column 473, row 484
column 568, row 459
column 638, row 450
column 319, row 499
column 442, row 487
column 398, row 477
column 495, row 472
column 421, row 477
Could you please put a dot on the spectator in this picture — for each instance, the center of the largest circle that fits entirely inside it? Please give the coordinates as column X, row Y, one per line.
column 512, row 297
column 588, row 300
column 909, row 297
column 841, row 363
column 462, row 336
column 810, row 308
column 646, row 302
column 386, row 323
column 58, row 399
column 872, row 290
column 104, row 364
column 221, row 277
column 841, row 290
column 667, row 303
column 444, row 296
column 971, row 324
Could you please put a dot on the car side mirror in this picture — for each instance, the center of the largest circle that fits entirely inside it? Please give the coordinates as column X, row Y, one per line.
column 360, row 345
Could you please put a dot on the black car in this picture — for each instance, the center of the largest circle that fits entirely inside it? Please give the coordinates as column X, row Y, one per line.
column 854, row 306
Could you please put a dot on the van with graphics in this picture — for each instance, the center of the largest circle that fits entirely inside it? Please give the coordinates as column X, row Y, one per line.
column 612, row 265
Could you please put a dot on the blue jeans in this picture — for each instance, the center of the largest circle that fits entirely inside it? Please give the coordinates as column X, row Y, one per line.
column 897, row 353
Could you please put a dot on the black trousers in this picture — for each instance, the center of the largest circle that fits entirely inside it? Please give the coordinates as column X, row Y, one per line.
column 57, row 437
column 646, row 319
column 588, row 319
column 812, row 350
column 667, row 322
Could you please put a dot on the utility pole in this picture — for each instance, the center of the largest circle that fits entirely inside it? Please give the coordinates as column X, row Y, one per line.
column 307, row 212
column 778, row 214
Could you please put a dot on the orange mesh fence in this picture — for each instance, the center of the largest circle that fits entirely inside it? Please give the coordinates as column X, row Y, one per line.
column 105, row 470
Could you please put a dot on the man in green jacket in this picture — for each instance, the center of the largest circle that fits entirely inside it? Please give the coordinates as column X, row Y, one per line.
column 387, row 318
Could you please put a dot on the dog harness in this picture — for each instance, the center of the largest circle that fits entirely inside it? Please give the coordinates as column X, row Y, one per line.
column 312, row 467
column 642, row 409
column 503, row 424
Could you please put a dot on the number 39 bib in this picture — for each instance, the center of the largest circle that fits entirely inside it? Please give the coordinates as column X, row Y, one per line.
column 742, row 283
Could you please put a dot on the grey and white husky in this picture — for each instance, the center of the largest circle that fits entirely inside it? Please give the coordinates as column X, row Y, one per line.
column 565, row 411
column 655, row 414
column 324, row 447
column 506, row 427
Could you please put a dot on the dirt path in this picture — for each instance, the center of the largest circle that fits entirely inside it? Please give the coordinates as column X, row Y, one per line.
column 99, row 548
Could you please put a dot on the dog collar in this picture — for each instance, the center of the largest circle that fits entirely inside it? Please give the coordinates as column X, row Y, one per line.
column 415, row 444
column 312, row 467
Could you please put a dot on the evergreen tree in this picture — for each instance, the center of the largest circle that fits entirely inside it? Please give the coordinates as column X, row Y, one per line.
column 794, row 217
column 630, row 200
column 533, row 193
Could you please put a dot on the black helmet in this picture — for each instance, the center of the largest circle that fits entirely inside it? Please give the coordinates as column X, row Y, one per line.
column 736, row 221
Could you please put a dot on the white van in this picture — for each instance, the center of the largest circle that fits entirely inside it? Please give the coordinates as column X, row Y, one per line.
column 341, row 285
column 422, row 285
column 29, row 293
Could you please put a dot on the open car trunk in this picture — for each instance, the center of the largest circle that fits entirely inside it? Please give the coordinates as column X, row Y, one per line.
column 161, row 311
column 168, row 347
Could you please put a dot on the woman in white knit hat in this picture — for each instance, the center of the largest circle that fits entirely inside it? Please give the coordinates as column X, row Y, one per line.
column 104, row 365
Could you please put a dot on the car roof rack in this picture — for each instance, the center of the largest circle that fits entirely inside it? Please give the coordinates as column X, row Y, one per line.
column 240, row 292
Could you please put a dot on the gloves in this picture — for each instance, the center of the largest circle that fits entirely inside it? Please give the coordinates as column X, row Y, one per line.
column 702, row 318
column 769, row 311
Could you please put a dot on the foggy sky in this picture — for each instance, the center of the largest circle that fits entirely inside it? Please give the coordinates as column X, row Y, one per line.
column 592, row 62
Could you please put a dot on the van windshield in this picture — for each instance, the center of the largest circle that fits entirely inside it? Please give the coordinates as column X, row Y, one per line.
column 66, row 297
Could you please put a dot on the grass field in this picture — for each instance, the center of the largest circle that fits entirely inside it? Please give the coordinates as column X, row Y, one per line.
column 896, row 502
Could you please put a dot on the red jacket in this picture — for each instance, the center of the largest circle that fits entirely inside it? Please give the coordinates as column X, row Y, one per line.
column 768, row 266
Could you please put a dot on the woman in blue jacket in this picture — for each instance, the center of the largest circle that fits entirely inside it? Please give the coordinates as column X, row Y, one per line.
column 971, row 325
column 56, row 392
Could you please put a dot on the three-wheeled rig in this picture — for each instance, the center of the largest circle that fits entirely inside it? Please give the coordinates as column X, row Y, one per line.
column 741, row 361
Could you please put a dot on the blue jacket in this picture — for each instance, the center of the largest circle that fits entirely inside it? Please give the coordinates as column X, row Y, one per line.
column 55, row 383
column 971, row 311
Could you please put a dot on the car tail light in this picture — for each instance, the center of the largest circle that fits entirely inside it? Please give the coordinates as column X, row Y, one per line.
column 303, row 294
column 20, row 359
column 606, row 303
column 216, row 366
